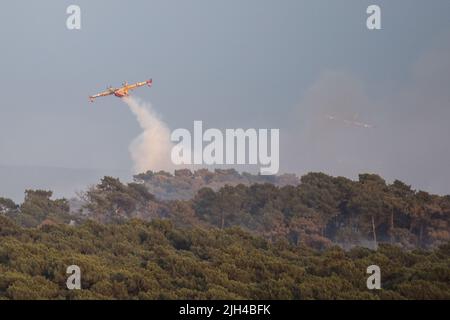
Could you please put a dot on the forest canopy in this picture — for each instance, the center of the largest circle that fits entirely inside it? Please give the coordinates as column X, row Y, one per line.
column 285, row 238
column 156, row 260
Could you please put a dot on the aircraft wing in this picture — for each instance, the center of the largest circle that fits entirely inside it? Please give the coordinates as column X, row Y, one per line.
column 101, row 94
column 139, row 84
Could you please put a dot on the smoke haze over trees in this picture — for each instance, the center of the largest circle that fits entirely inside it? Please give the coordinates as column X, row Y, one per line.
column 317, row 210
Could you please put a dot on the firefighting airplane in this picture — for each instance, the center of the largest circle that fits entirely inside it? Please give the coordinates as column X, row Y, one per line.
column 121, row 92
column 353, row 122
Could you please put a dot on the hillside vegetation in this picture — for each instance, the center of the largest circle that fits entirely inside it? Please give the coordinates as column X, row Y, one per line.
column 184, row 183
column 313, row 239
column 155, row 260
column 319, row 211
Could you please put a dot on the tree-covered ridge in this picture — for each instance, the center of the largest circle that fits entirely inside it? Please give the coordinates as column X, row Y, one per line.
column 184, row 184
column 319, row 211
column 156, row 260
column 37, row 208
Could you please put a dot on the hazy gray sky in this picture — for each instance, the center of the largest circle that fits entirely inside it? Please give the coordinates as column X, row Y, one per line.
column 263, row 64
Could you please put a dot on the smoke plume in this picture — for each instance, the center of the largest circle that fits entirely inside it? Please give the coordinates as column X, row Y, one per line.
column 409, row 136
column 151, row 149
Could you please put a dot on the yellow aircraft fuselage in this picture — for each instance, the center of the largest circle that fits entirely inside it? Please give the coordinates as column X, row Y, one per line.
column 123, row 91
